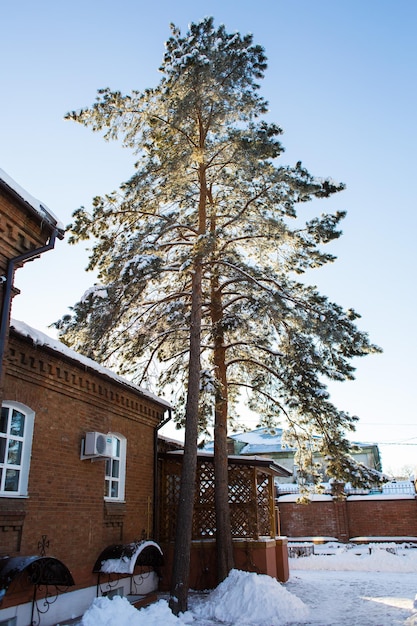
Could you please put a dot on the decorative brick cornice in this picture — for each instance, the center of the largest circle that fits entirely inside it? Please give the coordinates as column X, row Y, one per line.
column 43, row 366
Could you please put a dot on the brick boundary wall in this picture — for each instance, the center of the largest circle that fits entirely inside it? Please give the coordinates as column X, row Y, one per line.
column 357, row 516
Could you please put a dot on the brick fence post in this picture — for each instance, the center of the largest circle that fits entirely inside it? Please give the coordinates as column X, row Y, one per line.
column 340, row 511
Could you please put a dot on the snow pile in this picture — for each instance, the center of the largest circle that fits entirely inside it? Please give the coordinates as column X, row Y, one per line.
column 105, row 612
column 378, row 589
column 246, row 598
column 379, row 560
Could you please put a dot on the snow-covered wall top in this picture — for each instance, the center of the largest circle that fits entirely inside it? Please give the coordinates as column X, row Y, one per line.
column 41, row 339
column 43, row 211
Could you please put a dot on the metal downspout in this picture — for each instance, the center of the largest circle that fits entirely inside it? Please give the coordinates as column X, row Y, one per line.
column 155, row 475
column 7, row 299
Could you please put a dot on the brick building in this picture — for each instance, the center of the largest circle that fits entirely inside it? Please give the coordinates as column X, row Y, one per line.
column 27, row 229
column 77, row 457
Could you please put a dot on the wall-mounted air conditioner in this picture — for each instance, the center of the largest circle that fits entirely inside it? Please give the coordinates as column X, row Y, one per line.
column 97, row 445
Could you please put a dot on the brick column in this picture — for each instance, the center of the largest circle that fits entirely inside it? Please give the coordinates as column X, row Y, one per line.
column 340, row 511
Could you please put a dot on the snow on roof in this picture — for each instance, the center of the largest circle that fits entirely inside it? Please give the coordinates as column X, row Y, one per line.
column 267, row 440
column 259, row 441
column 238, row 459
column 260, row 436
column 34, row 204
column 40, row 339
column 264, row 449
column 314, row 497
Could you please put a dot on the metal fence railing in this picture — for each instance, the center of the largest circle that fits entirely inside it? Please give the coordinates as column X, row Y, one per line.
column 392, row 488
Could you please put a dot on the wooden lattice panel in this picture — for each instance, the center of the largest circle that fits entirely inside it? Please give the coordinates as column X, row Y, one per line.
column 205, row 479
column 204, row 521
column 263, row 487
column 242, row 501
column 250, row 500
column 240, row 484
column 170, row 475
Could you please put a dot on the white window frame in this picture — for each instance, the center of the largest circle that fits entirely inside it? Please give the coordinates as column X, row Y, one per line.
column 119, row 457
column 26, row 439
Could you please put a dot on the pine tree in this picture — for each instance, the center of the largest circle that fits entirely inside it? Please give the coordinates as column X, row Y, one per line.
column 198, row 256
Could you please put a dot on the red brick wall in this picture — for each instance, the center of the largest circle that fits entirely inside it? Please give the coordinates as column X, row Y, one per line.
column 349, row 518
column 382, row 517
column 316, row 518
column 65, row 500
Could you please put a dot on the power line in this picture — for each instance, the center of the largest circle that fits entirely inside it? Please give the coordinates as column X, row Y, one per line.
column 405, row 442
column 361, row 423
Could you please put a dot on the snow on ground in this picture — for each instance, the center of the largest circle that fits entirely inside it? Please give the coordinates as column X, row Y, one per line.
column 248, row 598
column 363, row 586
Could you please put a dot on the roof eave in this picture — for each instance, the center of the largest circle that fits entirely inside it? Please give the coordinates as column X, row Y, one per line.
column 41, row 214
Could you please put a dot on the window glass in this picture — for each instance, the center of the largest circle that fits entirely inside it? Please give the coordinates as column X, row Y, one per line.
column 14, row 455
column 12, row 480
column 16, row 430
column 17, row 424
column 115, row 470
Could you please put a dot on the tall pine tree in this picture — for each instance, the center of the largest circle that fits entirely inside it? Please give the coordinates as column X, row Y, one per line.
column 198, row 256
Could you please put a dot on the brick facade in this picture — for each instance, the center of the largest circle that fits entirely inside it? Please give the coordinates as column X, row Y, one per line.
column 25, row 228
column 65, row 503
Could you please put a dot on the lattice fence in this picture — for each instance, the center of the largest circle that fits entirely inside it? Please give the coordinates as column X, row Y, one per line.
column 250, row 500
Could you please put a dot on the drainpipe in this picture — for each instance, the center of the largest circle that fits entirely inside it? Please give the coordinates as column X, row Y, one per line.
column 8, row 280
column 155, row 475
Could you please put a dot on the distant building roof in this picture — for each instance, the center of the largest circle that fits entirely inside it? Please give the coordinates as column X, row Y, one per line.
column 266, row 440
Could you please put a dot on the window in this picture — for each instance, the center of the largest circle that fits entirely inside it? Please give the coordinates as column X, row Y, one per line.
column 114, row 488
column 16, row 431
column 12, row 621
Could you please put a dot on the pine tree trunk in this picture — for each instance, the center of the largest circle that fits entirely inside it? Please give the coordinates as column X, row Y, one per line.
column 183, row 534
column 224, row 543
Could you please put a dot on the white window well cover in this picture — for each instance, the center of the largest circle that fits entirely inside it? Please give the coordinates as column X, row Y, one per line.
column 123, row 558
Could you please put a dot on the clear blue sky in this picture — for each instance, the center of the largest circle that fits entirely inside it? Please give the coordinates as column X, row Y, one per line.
column 341, row 81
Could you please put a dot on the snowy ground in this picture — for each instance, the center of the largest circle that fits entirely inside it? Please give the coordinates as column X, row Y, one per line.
column 356, row 587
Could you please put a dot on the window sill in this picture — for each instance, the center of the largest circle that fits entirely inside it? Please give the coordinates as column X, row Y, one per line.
column 114, row 507
column 14, row 496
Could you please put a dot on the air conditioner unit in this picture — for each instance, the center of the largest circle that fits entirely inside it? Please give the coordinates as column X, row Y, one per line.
column 97, row 445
